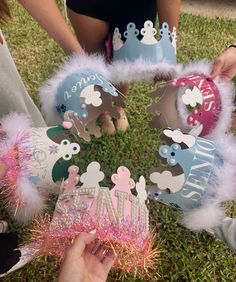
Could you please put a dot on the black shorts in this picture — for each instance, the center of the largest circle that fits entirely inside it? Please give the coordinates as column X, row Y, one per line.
column 116, row 13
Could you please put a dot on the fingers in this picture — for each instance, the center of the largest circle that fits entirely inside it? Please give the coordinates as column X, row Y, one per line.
column 81, row 242
column 216, row 68
column 106, row 256
column 109, row 260
column 101, row 252
column 228, row 75
column 93, row 247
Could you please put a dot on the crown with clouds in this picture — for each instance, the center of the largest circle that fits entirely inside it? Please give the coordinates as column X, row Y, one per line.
column 80, row 92
column 194, row 103
column 149, row 48
column 147, row 58
column 120, row 218
column 37, row 160
column 200, row 177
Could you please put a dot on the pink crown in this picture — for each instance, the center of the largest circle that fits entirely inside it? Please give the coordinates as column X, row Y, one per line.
column 194, row 103
column 203, row 101
column 119, row 218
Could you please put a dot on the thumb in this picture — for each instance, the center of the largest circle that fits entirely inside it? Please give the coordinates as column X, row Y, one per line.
column 216, row 69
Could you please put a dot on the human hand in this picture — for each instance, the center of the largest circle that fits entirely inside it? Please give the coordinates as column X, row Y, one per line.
column 224, row 65
column 86, row 260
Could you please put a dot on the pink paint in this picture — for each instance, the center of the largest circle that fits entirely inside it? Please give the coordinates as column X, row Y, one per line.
column 209, row 112
column 73, row 179
column 67, row 124
column 124, row 183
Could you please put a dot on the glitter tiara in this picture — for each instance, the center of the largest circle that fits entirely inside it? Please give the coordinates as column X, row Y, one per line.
column 36, row 161
column 121, row 220
column 201, row 176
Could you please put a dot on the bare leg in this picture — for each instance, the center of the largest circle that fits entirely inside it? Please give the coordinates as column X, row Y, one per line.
column 84, row 26
column 91, row 32
column 168, row 11
column 122, row 123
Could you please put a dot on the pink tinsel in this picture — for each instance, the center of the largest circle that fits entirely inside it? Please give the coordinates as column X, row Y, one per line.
column 15, row 159
column 127, row 242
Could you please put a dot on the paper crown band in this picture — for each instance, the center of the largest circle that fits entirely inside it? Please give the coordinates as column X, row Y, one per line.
column 36, row 161
column 200, row 177
column 150, row 49
column 80, row 95
column 193, row 103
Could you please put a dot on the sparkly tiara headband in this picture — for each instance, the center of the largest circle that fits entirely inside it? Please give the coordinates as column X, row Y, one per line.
column 121, row 220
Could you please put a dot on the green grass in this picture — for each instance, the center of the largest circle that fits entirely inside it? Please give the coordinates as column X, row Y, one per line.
column 185, row 256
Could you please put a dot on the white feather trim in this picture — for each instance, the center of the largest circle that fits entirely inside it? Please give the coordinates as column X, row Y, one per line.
column 210, row 213
column 207, row 216
column 14, row 125
column 122, row 72
column 226, row 174
column 226, row 91
column 27, row 201
column 32, row 202
column 75, row 63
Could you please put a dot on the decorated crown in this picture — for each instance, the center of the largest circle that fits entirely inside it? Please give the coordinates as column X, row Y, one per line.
column 119, row 218
column 194, row 103
column 200, row 178
column 143, row 59
column 80, row 95
column 36, row 161
column 148, row 48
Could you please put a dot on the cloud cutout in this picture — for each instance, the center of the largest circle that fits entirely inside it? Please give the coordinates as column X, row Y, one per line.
column 192, row 97
column 91, row 97
column 166, row 180
column 140, row 188
column 178, row 137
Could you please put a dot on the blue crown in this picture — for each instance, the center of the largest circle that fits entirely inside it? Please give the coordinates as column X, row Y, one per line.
column 148, row 48
column 82, row 97
column 194, row 160
column 78, row 88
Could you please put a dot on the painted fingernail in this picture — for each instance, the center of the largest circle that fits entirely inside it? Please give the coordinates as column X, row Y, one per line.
column 94, row 231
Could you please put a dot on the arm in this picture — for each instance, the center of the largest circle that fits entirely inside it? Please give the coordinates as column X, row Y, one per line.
column 225, row 65
column 168, row 11
column 48, row 15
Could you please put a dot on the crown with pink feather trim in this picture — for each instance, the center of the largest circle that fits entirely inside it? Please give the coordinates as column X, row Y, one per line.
column 36, row 161
column 121, row 220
